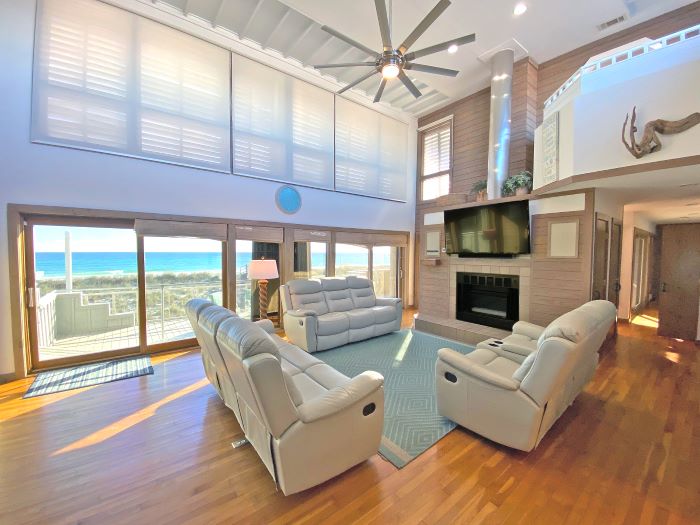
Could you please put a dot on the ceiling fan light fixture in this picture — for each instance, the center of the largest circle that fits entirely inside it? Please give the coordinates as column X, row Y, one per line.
column 390, row 71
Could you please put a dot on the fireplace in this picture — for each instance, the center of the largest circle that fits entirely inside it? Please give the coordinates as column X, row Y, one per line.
column 487, row 299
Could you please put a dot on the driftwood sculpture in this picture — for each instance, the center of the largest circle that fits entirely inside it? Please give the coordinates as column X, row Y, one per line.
column 650, row 140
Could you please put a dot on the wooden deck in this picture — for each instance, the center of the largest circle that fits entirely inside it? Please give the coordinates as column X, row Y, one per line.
column 156, row 449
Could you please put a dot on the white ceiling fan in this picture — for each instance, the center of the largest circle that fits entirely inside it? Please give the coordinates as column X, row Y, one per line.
column 393, row 62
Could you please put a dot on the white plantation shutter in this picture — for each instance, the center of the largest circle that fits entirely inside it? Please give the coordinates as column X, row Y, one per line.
column 436, row 162
column 282, row 126
column 436, row 150
column 370, row 152
column 109, row 80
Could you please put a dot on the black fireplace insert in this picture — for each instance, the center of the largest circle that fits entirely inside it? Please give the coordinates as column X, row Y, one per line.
column 488, row 299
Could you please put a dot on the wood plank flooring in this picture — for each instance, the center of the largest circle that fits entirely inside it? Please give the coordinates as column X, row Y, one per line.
column 157, row 449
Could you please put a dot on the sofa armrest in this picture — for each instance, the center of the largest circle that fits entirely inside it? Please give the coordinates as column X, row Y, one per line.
column 463, row 364
column 302, row 312
column 340, row 398
column 266, row 325
column 533, row 331
column 388, row 301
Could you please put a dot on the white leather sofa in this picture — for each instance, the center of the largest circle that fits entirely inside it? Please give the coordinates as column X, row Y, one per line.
column 514, row 397
column 307, row 421
column 333, row 311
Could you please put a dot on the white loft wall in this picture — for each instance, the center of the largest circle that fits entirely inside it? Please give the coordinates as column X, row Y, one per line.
column 662, row 84
column 39, row 174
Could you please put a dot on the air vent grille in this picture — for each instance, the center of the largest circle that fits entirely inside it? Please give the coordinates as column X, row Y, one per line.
column 612, row 22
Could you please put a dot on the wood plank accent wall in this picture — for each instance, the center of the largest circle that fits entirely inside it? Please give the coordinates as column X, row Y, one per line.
column 523, row 116
column 558, row 285
column 555, row 72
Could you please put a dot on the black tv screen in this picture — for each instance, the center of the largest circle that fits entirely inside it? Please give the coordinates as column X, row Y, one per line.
column 489, row 231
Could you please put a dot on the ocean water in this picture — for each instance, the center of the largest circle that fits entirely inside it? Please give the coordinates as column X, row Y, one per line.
column 52, row 264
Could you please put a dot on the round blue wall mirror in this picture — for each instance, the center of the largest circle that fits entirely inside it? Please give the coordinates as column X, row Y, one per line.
column 288, row 199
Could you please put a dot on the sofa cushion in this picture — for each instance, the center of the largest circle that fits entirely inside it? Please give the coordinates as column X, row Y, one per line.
column 339, row 300
column 363, row 297
column 307, row 387
column 577, row 324
column 383, row 314
column 503, row 367
column 524, row 368
column 519, row 344
column 245, row 339
column 333, row 323
column 292, row 388
column 332, row 284
column 306, row 294
column 294, row 355
column 360, row 318
column 327, row 376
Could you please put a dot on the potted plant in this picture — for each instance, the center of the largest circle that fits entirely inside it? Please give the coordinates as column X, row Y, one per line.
column 518, row 184
column 479, row 189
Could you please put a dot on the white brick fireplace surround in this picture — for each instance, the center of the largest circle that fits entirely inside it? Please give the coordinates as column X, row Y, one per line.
column 472, row 333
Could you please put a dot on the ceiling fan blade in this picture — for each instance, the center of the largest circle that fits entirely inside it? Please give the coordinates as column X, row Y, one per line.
column 424, row 24
column 349, row 40
column 432, row 69
column 345, row 64
column 440, row 47
column 354, row 83
column 378, row 96
column 409, row 85
column 384, row 28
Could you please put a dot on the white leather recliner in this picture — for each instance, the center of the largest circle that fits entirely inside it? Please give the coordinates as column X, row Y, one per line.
column 512, row 398
column 307, row 421
column 333, row 311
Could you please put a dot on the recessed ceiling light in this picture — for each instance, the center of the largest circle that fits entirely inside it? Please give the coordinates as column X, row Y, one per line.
column 452, row 49
column 519, row 8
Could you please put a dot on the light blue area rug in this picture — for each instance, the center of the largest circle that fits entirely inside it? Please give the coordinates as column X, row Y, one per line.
column 88, row 375
column 406, row 359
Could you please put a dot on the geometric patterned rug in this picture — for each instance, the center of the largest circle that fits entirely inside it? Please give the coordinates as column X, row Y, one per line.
column 87, row 375
column 406, row 359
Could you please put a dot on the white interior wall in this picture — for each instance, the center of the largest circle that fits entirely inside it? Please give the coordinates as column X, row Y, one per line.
column 631, row 220
column 48, row 175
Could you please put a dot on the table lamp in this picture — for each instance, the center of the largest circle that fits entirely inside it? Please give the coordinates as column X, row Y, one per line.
column 262, row 270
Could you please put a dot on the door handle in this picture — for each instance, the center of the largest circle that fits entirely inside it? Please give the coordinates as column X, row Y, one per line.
column 31, row 296
column 663, row 287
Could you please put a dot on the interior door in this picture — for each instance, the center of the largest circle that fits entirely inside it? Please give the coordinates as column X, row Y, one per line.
column 601, row 258
column 680, row 281
column 614, row 274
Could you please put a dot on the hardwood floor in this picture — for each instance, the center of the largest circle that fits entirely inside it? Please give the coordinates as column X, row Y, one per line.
column 156, row 449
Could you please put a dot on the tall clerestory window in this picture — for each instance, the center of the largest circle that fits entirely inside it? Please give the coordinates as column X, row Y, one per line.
column 436, row 161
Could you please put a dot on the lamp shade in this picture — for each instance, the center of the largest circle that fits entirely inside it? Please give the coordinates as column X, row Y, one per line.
column 263, row 269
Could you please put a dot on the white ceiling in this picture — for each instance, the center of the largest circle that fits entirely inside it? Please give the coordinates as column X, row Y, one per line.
column 291, row 28
column 663, row 196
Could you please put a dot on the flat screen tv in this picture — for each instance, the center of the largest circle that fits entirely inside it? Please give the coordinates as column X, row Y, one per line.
column 492, row 230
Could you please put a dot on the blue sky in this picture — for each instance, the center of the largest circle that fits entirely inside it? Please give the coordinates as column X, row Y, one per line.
column 84, row 239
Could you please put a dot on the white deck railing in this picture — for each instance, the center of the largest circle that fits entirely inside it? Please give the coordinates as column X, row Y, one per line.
column 623, row 56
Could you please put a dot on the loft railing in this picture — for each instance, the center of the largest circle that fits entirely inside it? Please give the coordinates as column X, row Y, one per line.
column 623, row 56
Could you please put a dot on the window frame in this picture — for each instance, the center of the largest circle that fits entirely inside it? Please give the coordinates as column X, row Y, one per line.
column 446, row 122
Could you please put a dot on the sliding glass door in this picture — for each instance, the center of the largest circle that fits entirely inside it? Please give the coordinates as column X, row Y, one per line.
column 351, row 259
column 310, row 259
column 178, row 269
column 82, row 290
column 385, row 271
column 99, row 288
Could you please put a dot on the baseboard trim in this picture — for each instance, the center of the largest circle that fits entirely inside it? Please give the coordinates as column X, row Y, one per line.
column 6, row 378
